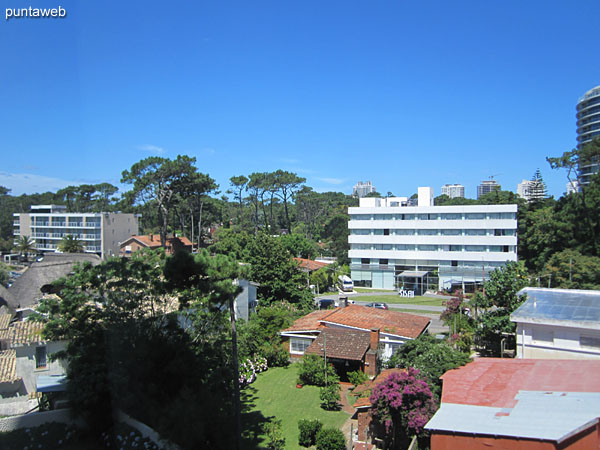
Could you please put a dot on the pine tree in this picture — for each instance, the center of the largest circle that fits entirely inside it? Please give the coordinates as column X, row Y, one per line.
column 537, row 190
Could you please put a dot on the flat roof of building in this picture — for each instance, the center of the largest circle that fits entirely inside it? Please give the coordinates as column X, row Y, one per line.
column 566, row 307
column 526, row 398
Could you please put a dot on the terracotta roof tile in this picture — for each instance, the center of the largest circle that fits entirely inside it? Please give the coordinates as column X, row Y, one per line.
column 154, row 241
column 495, row 382
column 8, row 363
column 341, row 343
column 22, row 333
column 311, row 321
column 387, row 321
column 5, row 321
column 309, row 264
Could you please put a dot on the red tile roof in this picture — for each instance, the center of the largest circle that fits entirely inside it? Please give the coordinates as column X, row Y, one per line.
column 495, row 382
column 309, row 264
column 341, row 343
column 387, row 321
column 22, row 333
column 153, row 241
column 311, row 321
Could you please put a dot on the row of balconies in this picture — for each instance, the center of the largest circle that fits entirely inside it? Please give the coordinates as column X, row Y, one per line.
column 95, row 237
column 86, row 248
column 64, row 224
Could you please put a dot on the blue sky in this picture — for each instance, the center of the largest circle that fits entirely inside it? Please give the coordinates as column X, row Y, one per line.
column 404, row 94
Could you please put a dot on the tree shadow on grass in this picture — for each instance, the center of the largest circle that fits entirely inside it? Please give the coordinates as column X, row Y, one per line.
column 252, row 421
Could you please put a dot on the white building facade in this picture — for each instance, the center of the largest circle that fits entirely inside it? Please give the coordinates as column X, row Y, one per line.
column 455, row 246
column 99, row 233
column 453, row 190
column 362, row 189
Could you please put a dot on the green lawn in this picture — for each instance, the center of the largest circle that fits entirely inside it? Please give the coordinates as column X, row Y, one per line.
column 418, row 300
column 358, row 289
column 275, row 395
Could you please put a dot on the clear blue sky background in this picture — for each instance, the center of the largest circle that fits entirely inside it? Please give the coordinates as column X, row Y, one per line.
column 403, row 93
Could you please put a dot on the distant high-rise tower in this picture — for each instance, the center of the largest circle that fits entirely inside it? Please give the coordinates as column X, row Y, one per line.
column 453, row 190
column 588, row 127
column 486, row 187
column 361, row 189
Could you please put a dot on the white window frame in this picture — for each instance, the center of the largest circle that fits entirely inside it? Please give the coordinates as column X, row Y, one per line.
column 299, row 340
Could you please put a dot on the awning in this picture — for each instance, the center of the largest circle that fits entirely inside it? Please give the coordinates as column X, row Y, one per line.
column 413, row 273
column 52, row 383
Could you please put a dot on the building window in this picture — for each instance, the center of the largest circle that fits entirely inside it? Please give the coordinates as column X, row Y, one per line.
column 386, row 231
column 40, row 357
column 365, row 260
column 590, row 342
column 383, row 262
column 299, row 345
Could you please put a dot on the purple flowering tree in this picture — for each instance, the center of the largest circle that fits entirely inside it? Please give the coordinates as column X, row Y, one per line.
column 403, row 404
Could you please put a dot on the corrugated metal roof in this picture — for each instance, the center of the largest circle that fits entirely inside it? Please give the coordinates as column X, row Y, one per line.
column 536, row 415
column 572, row 307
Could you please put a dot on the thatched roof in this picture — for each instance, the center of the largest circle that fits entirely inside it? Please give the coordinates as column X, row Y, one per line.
column 6, row 297
column 26, row 290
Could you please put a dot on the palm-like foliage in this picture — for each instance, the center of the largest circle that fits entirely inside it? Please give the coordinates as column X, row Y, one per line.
column 25, row 245
column 70, row 244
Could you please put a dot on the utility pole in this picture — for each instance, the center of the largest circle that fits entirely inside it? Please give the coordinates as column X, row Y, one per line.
column 325, row 355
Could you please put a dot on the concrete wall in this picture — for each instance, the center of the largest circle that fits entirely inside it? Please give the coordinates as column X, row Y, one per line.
column 37, row 419
column 116, row 228
column 554, row 342
column 26, row 364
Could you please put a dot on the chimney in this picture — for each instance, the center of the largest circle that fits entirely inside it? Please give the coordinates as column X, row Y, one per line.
column 151, row 238
column 374, row 339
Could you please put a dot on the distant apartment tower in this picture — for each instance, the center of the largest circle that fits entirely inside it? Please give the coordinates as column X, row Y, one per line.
column 99, row 233
column 588, row 127
column 524, row 189
column 362, row 189
column 453, row 190
column 486, row 187
column 572, row 186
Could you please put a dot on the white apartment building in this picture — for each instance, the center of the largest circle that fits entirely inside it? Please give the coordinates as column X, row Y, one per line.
column 393, row 245
column 453, row 190
column 362, row 189
column 523, row 189
column 99, row 233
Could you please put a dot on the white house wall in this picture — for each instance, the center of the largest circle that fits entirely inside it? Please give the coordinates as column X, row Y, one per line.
column 25, row 366
column 565, row 342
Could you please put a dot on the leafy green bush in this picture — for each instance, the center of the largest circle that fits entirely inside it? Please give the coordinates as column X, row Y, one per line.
column 331, row 439
column 312, row 372
column 308, row 431
column 357, row 377
column 275, row 439
column 330, row 397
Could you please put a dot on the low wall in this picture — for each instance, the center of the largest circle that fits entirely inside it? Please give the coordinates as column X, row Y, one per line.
column 147, row 432
column 16, row 406
column 37, row 419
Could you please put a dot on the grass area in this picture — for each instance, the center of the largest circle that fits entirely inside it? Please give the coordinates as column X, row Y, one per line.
column 358, row 289
column 396, row 299
column 417, row 311
column 274, row 395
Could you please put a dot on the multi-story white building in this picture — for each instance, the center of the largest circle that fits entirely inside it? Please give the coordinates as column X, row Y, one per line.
column 453, row 190
column 362, row 189
column 523, row 189
column 426, row 246
column 99, row 233
column 588, row 128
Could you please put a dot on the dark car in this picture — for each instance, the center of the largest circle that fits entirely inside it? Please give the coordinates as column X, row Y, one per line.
column 326, row 303
column 377, row 305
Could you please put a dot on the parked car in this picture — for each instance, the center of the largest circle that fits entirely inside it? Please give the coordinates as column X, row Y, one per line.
column 326, row 303
column 377, row 305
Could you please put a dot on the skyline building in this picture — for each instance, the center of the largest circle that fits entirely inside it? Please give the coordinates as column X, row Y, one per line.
column 487, row 186
column 588, row 127
column 362, row 189
column 453, row 190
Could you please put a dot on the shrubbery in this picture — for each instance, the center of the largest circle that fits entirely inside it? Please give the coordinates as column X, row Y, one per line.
column 330, row 439
column 330, row 397
column 308, row 431
column 275, row 439
column 357, row 377
column 312, row 372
